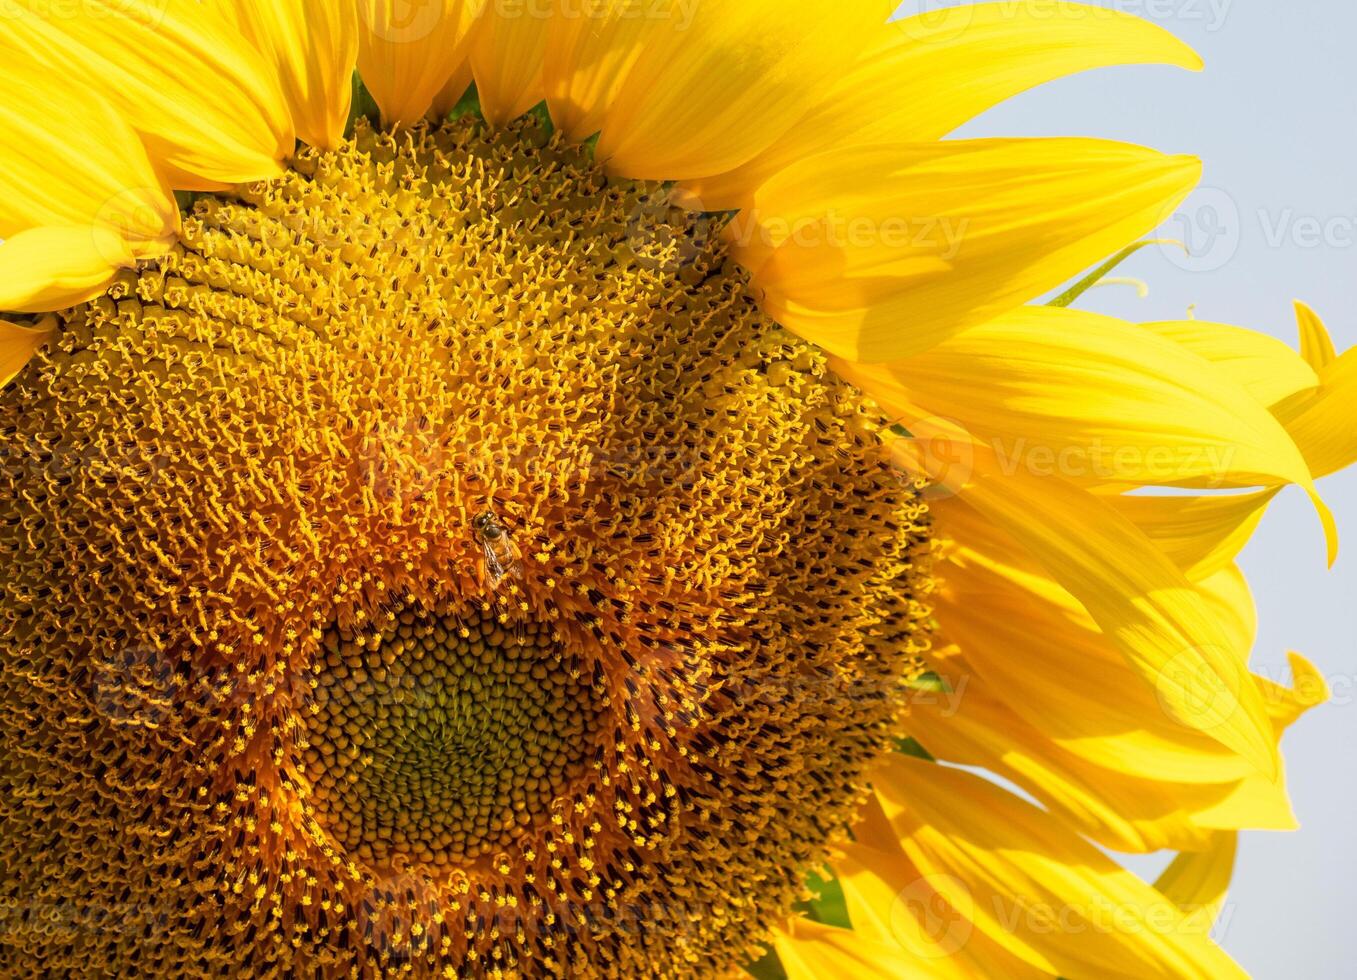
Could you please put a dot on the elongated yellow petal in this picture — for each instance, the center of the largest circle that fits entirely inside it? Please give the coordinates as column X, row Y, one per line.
column 1125, row 811
column 312, row 45
column 506, row 58
column 67, row 158
column 928, row 74
column 1089, row 398
column 1201, row 535
column 811, row 951
column 892, row 903
column 56, row 267
column 1198, row 881
column 1146, row 606
column 208, row 106
column 1048, row 896
column 408, row 49
column 1264, row 366
column 717, row 84
column 590, row 52
column 18, row 343
column 881, row 252
column 1315, row 344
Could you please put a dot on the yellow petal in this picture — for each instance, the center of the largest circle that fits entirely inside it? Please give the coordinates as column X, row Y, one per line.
column 1201, row 535
column 721, row 80
column 506, row 58
column 1089, row 398
column 892, row 903
column 17, row 343
column 1127, row 812
column 881, row 252
column 1047, row 895
column 811, row 951
column 1160, row 622
column 1264, row 366
column 312, row 45
column 589, row 55
column 408, row 49
column 57, row 267
column 1198, row 881
column 68, row 159
column 1308, row 690
column 930, row 73
column 208, row 106
column 1320, row 421
column 1315, row 344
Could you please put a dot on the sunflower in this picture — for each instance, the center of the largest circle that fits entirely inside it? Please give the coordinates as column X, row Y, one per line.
column 583, row 488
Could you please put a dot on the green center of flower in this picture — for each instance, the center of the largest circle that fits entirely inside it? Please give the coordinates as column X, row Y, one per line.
column 441, row 739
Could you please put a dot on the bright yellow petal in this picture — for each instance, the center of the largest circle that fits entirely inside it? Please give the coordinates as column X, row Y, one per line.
column 811, row 951
column 928, row 74
column 1315, row 344
column 57, row 267
column 1321, row 421
column 68, row 159
column 506, row 58
column 1089, row 398
column 881, row 252
column 588, row 57
column 1264, row 366
column 892, row 903
column 208, row 106
column 18, row 343
column 1159, row 620
column 1198, row 881
column 1201, row 535
column 312, row 45
column 1126, row 812
column 408, row 49
column 1047, row 895
column 723, row 79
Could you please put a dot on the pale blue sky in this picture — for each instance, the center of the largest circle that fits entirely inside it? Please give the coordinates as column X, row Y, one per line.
column 1274, row 118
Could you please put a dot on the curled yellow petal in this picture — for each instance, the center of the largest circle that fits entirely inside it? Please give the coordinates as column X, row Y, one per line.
column 208, row 106
column 881, row 252
column 408, row 49
column 1198, row 881
column 312, row 45
column 1321, row 420
column 719, row 81
column 928, row 74
column 1315, row 344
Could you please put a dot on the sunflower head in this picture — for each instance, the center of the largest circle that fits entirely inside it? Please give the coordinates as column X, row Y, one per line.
column 441, row 532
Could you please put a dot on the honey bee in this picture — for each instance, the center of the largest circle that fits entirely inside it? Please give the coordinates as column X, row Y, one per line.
column 501, row 559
